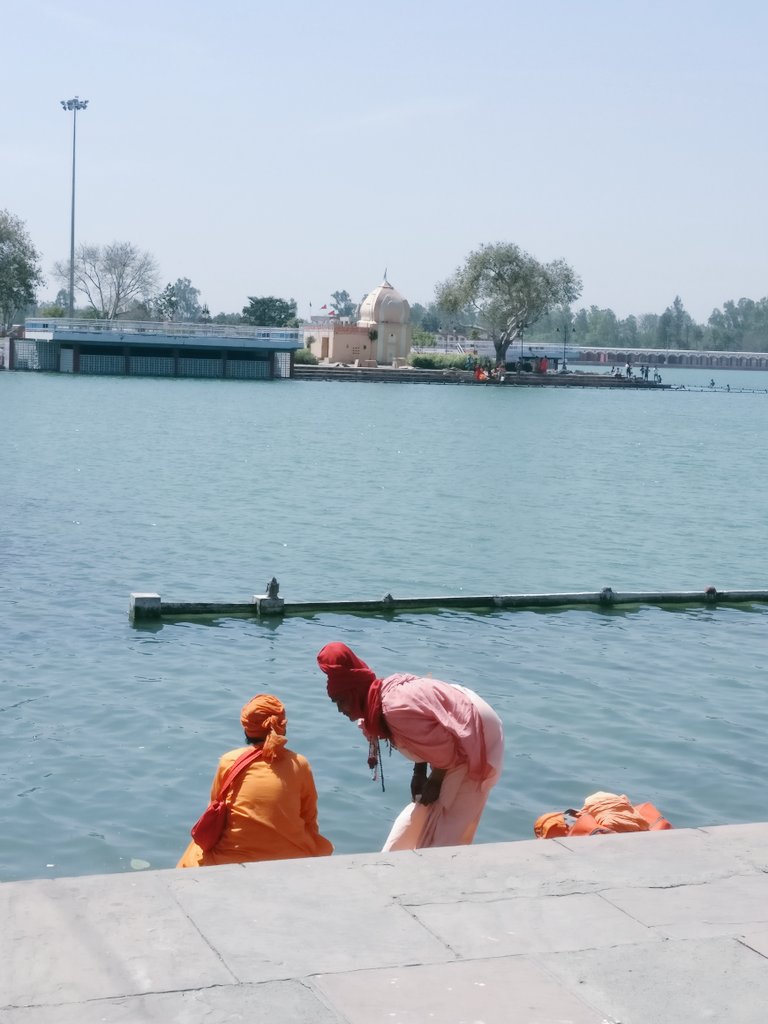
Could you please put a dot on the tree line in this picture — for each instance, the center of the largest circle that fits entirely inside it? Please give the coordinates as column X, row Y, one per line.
column 500, row 292
column 739, row 326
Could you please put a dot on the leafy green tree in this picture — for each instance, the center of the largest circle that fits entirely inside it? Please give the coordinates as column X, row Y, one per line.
column 139, row 309
column 19, row 269
column 58, row 307
column 305, row 357
column 166, row 304
column 431, row 320
column 228, row 319
column 268, row 311
column 603, row 327
column 342, row 304
column 675, row 328
column 422, row 338
column 740, row 326
column 581, row 326
column 509, row 291
column 179, row 301
column 629, row 332
column 417, row 313
column 112, row 277
column 648, row 330
column 52, row 309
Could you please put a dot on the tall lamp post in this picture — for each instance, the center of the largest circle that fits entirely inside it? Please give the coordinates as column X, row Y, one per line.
column 74, row 105
column 564, row 333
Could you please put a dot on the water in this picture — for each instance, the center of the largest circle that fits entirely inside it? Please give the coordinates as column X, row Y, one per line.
column 205, row 489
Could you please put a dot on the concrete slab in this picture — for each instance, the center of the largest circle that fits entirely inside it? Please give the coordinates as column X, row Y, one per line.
column 726, row 907
column 277, row 1001
column 638, row 860
column 565, row 866
column 706, row 981
column 509, row 990
column 504, row 927
column 278, row 921
column 747, row 843
column 612, row 929
column 757, row 940
column 472, row 872
column 73, row 939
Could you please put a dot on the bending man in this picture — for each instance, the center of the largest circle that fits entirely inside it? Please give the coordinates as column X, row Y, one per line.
column 455, row 739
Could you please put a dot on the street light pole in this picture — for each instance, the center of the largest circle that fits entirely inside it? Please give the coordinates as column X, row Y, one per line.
column 74, row 105
column 564, row 333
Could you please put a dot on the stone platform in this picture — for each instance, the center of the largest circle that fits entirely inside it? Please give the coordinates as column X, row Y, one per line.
column 659, row 928
column 413, row 375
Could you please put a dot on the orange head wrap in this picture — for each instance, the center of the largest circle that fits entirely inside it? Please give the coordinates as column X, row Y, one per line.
column 264, row 715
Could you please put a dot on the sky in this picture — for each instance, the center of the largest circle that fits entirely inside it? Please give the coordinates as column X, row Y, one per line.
column 297, row 148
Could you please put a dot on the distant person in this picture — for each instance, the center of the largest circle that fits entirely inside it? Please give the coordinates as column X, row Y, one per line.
column 628, row 370
column 712, row 382
column 454, row 738
column 272, row 803
column 727, row 387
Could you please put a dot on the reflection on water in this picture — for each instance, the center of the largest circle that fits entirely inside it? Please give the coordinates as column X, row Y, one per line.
column 109, row 735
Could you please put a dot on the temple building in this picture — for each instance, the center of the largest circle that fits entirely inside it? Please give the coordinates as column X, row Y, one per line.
column 380, row 337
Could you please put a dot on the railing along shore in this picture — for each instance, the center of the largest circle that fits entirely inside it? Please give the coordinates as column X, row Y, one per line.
column 147, row 607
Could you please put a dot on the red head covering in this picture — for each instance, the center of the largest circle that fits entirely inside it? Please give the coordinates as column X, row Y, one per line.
column 264, row 715
column 350, row 679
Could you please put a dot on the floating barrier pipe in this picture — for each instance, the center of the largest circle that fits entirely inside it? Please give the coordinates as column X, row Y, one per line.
column 149, row 606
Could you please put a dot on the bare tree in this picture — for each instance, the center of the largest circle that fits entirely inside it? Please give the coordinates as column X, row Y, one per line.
column 112, row 277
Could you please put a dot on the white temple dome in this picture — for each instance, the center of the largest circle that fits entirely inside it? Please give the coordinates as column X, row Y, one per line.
column 384, row 305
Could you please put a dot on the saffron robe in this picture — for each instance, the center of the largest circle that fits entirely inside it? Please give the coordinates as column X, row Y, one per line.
column 272, row 813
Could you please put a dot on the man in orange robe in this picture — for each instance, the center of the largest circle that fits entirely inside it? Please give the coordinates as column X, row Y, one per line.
column 271, row 804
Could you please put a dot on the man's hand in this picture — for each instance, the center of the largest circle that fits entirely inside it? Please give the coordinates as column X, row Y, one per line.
column 418, row 779
column 430, row 791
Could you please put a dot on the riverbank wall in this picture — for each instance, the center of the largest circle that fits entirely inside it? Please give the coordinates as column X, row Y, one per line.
column 649, row 928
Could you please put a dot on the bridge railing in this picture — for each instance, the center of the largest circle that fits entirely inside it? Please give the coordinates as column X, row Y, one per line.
column 151, row 327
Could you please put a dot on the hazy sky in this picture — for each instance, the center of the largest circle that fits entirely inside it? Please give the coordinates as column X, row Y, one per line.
column 295, row 148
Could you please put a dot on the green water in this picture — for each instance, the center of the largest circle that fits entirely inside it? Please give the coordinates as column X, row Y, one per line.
column 206, row 489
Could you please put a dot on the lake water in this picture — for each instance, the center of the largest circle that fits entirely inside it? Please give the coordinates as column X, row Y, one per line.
column 109, row 735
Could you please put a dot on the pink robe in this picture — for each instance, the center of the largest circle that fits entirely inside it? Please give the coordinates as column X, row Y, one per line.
column 453, row 729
